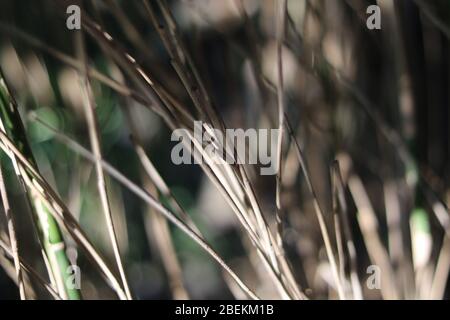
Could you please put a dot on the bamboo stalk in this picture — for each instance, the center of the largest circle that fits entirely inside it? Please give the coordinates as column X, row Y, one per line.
column 48, row 230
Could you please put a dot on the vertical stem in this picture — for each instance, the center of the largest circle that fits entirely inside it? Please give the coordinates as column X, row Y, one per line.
column 12, row 236
column 89, row 105
column 48, row 230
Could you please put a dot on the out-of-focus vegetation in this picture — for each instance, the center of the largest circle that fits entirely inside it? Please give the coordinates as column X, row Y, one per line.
column 365, row 152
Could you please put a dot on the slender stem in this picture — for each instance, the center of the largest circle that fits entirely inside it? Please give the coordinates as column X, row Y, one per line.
column 12, row 236
column 89, row 105
column 49, row 232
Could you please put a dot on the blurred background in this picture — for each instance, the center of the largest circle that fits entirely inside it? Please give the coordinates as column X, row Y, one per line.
column 375, row 100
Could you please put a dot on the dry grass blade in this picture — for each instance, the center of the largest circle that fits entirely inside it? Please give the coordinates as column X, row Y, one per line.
column 164, row 190
column 441, row 273
column 156, row 225
column 182, row 63
column 12, row 236
column 341, row 207
column 146, row 197
column 281, row 8
column 89, row 110
column 50, row 237
column 318, row 211
column 340, row 249
column 368, row 224
column 145, row 82
column 181, row 58
column 57, row 209
column 30, row 271
column 161, row 185
column 395, row 237
column 169, row 123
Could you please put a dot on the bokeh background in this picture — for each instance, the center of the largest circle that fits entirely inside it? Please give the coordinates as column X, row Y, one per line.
column 364, row 97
